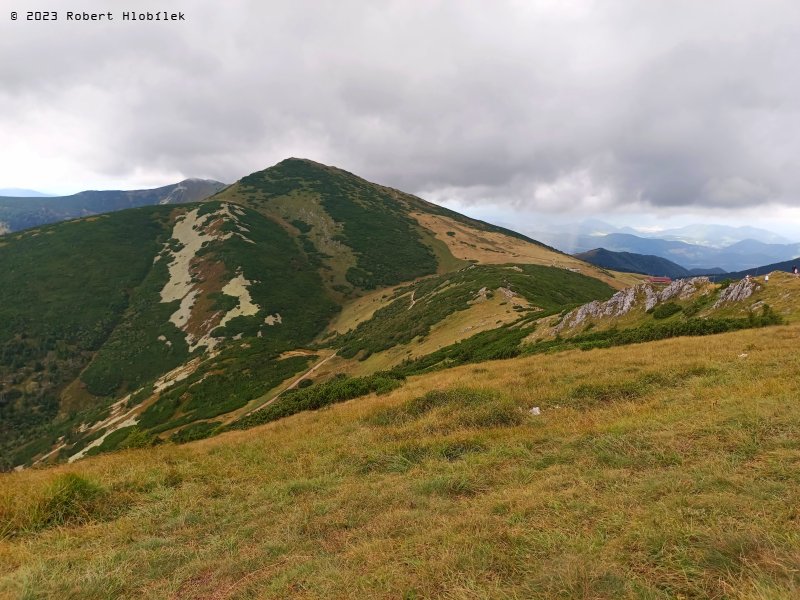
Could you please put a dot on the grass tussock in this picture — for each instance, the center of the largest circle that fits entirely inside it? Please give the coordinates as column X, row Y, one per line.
column 453, row 408
column 668, row 470
column 68, row 500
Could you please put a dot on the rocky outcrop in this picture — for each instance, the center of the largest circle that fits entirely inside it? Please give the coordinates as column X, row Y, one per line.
column 682, row 288
column 580, row 314
column 626, row 300
column 737, row 292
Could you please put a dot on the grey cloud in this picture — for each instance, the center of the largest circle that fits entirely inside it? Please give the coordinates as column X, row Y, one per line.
column 551, row 105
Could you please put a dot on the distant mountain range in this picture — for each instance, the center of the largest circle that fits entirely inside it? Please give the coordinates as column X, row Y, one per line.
column 706, row 248
column 711, row 235
column 23, row 193
column 786, row 265
column 630, row 262
column 24, row 211
column 716, row 236
column 745, row 254
column 738, row 256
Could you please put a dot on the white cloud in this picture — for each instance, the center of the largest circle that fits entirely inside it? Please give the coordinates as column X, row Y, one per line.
column 593, row 106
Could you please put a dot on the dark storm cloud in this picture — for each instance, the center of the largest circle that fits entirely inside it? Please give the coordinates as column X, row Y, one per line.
column 552, row 105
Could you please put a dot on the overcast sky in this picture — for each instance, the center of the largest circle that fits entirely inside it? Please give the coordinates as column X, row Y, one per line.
column 667, row 109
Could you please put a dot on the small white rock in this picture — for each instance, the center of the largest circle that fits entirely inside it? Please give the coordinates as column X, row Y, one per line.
column 535, row 411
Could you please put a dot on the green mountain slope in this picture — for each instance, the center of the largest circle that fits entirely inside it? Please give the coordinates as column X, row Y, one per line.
column 95, row 309
column 364, row 237
column 63, row 290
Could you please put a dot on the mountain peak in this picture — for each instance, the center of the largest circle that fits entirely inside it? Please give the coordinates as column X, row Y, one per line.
column 294, row 161
column 200, row 180
column 298, row 167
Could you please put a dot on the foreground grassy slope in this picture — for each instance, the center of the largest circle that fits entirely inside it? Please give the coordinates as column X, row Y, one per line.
column 658, row 470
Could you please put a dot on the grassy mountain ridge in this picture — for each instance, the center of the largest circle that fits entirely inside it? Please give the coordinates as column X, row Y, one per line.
column 220, row 308
column 301, row 170
column 423, row 304
column 365, row 235
column 641, row 314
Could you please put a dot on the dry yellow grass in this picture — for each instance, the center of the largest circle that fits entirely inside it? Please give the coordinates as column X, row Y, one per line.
column 662, row 470
column 460, row 325
column 780, row 292
column 493, row 248
column 359, row 310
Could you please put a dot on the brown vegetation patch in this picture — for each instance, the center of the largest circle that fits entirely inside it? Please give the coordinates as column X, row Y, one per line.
column 210, row 278
column 291, row 353
column 76, row 397
column 214, row 227
column 196, row 586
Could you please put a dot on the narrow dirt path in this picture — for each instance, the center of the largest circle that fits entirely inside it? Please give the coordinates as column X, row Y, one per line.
column 126, row 420
column 294, row 383
column 413, row 302
column 49, row 454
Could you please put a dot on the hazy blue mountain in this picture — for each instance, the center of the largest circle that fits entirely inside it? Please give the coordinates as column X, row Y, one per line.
column 686, row 255
column 786, row 265
column 742, row 255
column 22, row 212
column 752, row 253
column 593, row 233
column 22, row 193
column 714, row 271
column 718, row 236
